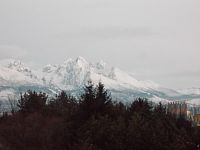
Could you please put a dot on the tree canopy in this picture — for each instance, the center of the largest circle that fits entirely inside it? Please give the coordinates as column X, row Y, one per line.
column 93, row 122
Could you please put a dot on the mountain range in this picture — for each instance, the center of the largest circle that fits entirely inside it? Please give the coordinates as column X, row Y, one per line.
column 73, row 74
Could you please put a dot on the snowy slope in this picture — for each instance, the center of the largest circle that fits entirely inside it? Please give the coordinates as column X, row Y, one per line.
column 73, row 74
column 16, row 75
column 190, row 91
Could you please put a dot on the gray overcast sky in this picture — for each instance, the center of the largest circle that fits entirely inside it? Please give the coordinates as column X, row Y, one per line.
column 155, row 39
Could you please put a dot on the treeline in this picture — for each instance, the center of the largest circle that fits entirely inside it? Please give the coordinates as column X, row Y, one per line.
column 93, row 122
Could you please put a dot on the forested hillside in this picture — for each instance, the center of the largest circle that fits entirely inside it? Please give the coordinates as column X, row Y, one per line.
column 93, row 122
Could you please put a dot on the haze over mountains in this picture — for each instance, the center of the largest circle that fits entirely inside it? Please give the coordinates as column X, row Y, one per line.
column 73, row 74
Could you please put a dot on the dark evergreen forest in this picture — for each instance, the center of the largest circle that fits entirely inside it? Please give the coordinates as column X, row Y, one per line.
column 93, row 122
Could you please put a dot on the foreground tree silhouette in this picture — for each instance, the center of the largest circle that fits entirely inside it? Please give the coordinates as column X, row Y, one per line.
column 32, row 102
column 86, row 101
column 62, row 104
column 102, row 102
column 95, row 100
column 140, row 105
column 93, row 122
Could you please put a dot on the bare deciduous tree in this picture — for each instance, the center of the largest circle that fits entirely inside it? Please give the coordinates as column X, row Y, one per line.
column 12, row 100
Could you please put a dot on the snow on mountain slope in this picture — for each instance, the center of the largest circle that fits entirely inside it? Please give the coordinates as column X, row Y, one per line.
column 17, row 73
column 73, row 74
column 190, row 91
column 76, row 73
column 10, row 76
column 124, row 78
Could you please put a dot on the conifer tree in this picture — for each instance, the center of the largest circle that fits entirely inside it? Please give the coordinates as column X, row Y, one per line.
column 32, row 102
column 62, row 104
column 86, row 102
column 102, row 99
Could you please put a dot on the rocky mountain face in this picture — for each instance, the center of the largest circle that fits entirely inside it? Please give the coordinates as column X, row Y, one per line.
column 73, row 74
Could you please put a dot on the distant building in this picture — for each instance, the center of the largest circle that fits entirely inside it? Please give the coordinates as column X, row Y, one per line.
column 196, row 119
column 178, row 109
column 195, row 110
column 181, row 109
column 189, row 116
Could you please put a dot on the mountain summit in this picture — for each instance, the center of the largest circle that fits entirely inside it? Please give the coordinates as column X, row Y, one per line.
column 73, row 74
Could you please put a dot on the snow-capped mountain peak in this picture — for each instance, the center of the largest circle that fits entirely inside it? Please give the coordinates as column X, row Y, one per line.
column 77, row 72
column 101, row 65
column 19, row 66
column 81, row 60
column 49, row 68
column 73, row 74
column 68, row 61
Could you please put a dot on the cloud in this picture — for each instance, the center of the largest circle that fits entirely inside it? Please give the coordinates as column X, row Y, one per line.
column 108, row 33
column 188, row 73
column 12, row 52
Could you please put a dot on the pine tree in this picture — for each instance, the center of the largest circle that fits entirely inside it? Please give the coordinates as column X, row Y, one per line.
column 142, row 106
column 32, row 102
column 102, row 99
column 62, row 104
column 86, row 102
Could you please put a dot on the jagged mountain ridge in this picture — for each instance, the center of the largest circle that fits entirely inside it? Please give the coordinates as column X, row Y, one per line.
column 78, row 72
column 73, row 74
